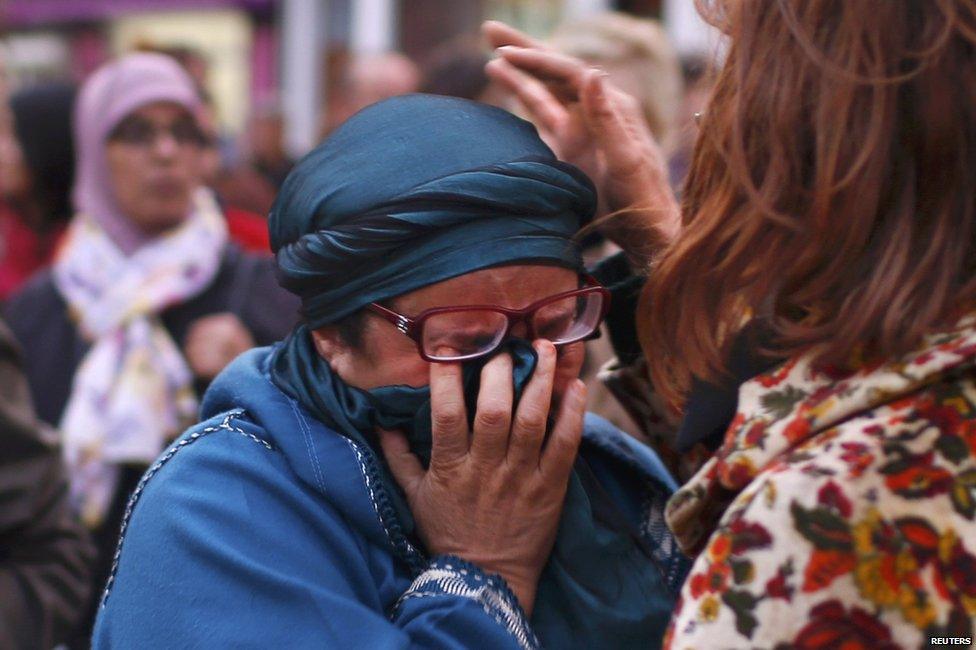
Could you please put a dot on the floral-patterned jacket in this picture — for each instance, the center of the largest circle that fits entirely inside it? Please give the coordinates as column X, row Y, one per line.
column 840, row 511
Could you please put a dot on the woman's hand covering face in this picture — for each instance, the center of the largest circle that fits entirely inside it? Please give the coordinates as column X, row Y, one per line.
column 597, row 127
column 493, row 494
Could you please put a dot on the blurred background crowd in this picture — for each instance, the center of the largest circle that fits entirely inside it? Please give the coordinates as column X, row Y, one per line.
column 269, row 80
column 276, row 76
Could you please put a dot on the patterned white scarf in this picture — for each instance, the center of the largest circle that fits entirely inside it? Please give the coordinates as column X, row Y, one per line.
column 133, row 391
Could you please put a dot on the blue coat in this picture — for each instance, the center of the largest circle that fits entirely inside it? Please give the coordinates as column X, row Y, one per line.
column 262, row 528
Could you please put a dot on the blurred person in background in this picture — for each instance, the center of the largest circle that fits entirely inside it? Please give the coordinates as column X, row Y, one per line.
column 247, row 225
column 244, row 196
column 266, row 145
column 36, row 173
column 366, row 79
column 251, row 184
column 241, row 189
column 45, row 552
column 457, row 69
column 147, row 300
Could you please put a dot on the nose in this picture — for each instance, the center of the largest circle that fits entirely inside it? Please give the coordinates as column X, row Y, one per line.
column 520, row 330
column 164, row 144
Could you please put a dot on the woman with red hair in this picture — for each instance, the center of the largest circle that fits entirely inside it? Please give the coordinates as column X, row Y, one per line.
column 810, row 308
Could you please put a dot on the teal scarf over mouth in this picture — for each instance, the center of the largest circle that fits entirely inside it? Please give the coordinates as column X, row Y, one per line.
column 598, row 588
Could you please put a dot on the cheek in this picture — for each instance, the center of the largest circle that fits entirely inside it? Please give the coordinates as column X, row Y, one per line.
column 394, row 360
column 124, row 173
column 192, row 164
column 411, row 370
column 406, row 369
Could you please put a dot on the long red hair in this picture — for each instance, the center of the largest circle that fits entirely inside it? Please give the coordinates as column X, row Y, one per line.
column 832, row 190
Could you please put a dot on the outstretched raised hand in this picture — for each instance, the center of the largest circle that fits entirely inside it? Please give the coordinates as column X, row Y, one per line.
column 597, row 127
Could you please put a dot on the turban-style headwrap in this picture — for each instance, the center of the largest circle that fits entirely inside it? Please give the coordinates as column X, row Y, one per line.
column 418, row 189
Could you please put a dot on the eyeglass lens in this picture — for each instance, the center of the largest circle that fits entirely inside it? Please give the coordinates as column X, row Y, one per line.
column 461, row 335
column 141, row 132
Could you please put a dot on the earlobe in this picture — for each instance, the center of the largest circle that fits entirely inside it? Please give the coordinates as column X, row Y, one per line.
column 329, row 346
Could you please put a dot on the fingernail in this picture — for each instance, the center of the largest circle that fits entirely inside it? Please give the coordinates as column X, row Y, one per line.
column 545, row 348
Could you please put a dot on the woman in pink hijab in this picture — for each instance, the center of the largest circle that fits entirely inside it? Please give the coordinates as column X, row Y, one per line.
column 147, row 299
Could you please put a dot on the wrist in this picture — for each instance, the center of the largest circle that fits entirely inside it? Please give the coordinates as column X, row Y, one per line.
column 524, row 593
column 451, row 575
column 643, row 231
column 522, row 584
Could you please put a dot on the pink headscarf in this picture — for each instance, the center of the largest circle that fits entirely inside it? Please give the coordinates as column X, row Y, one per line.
column 113, row 92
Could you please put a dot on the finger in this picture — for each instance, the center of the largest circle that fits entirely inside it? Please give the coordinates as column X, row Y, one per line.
column 564, row 441
column 569, row 363
column 406, row 467
column 532, row 414
column 565, row 72
column 449, row 419
column 634, row 160
column 546, row 111
column 623, row 152
column 493, row 421
column 499, row 34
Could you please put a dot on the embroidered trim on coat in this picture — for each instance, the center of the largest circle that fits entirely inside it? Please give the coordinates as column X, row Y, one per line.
column 385, row 512
column 226, row 424
column 452, row 576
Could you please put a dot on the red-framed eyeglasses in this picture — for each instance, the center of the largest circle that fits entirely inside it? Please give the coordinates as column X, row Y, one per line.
column 449, row 334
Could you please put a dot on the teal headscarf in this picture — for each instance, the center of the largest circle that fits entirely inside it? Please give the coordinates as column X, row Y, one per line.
column 416, row 190
column 419, row 189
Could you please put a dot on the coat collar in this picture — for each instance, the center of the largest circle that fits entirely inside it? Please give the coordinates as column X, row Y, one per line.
column 787, row 406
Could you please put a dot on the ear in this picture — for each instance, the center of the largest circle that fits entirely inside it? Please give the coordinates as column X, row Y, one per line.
column 331, row 347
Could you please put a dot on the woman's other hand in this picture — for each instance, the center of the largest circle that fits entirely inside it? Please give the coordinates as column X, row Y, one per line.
column 214, row 341
column 494, row 495
column 597, row 127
